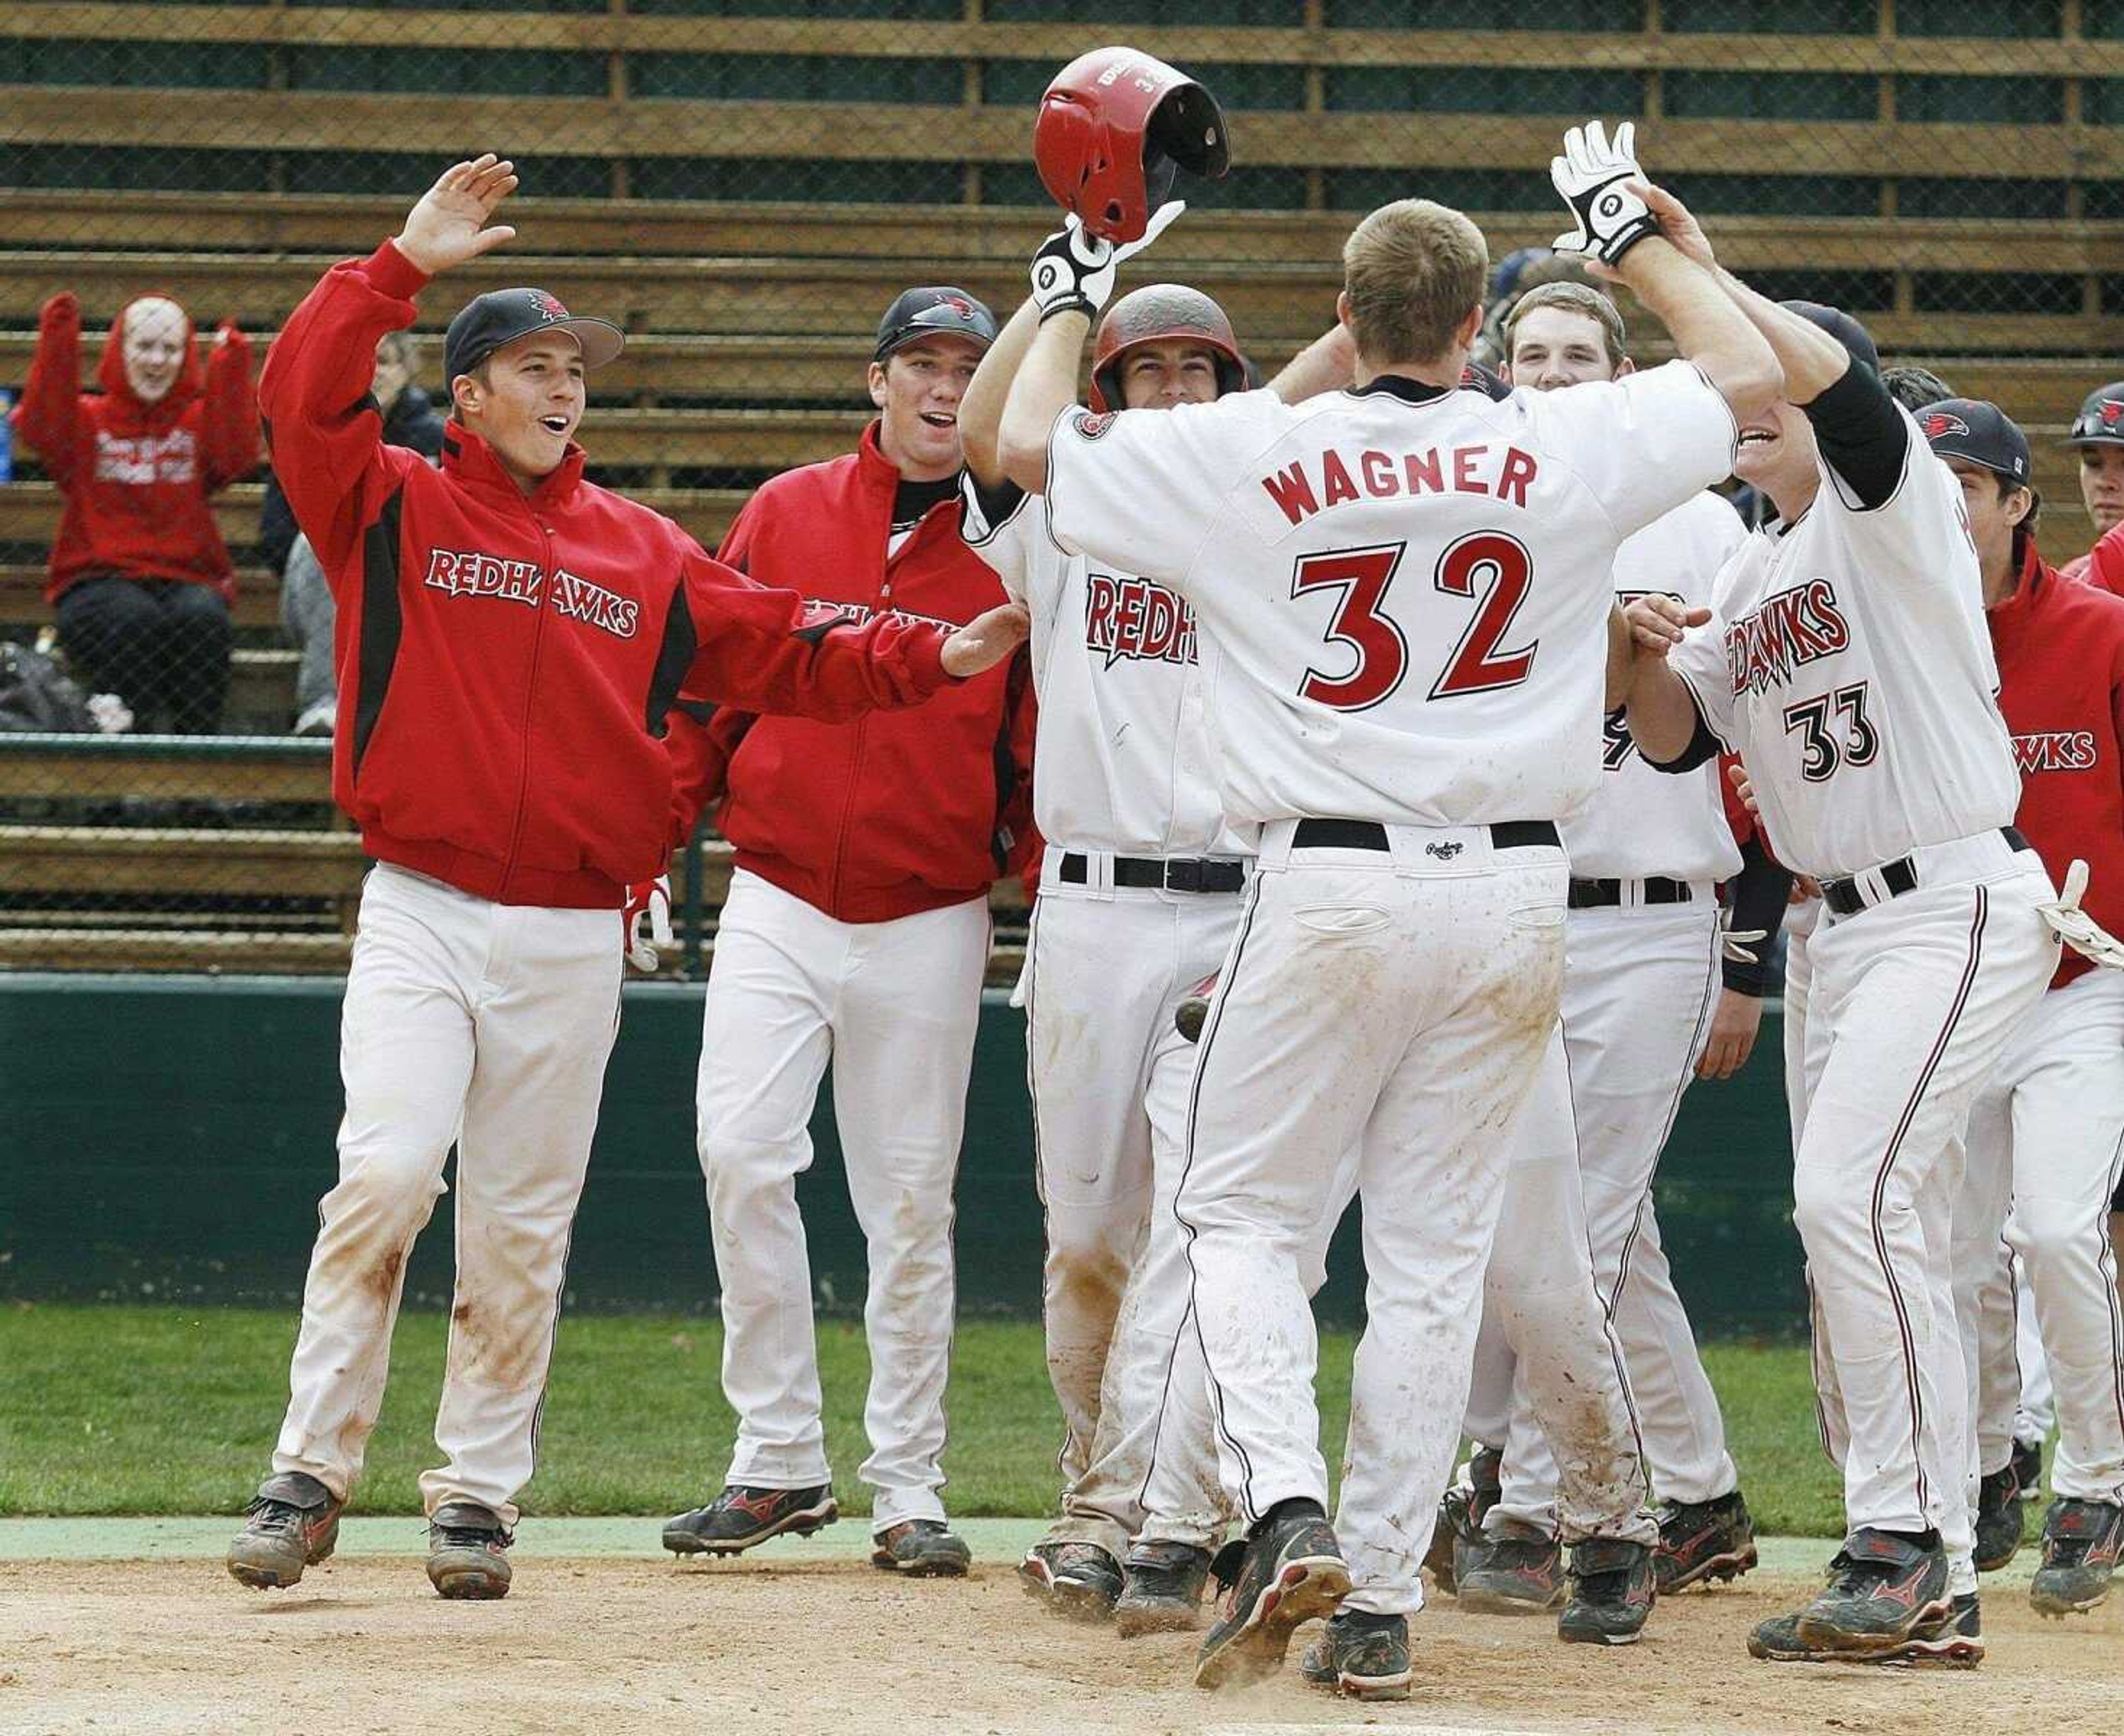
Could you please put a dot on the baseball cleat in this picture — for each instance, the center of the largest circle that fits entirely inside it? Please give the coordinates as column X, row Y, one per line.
column 1509, row 1570
column 1361, row 1655
column 1883, row 1589
column 1289, row 1571
column 2082, row 1542
column 1161, row 1590
column 1460, row 1512
column 922, row 1549
column 1613, row 1584
column 1701, row 1542
column 2001, row 1520
column 292, row 1523
column 2027, row 1466
column 1956, row 1641
column 1079, row 1580
column 744, row 1515
column 467, row 1552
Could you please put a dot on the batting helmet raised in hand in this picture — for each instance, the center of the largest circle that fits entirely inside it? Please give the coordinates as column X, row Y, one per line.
column 1155, row 313
column 1110, row 129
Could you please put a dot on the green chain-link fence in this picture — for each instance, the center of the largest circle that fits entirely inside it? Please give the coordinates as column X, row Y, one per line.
column 746, row 185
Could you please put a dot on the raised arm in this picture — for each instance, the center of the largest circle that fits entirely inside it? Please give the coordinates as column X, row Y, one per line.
column 981, row 410
column 229, row 429
column 49, row 418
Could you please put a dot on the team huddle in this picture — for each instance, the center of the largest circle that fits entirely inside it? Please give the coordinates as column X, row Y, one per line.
column 1417, row 762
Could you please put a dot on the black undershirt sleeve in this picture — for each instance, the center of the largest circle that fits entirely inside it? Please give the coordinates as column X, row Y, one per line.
column 1862, row 437
column 1755, row 899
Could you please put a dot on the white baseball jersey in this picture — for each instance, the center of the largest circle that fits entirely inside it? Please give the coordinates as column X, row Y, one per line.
column 1123, row 757
column 1641, row 821
column 1846, row 660
column 1403, row 590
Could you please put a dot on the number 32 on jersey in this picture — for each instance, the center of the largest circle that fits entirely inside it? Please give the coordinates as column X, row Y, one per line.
column 1489, row 569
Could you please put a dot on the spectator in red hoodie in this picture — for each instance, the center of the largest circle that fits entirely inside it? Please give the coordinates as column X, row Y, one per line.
column 511, row 638
column 140, row 579
column 857, row 929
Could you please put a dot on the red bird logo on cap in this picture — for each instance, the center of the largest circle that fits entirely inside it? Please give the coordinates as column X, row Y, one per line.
column 1937, row 423
column 958, row 304
column 548, row 306
column 2113, row 412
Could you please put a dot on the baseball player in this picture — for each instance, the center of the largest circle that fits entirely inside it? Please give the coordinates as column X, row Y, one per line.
column 1644, row 1007
column 1139, row 897
column 1844, row 658
column 2047, row 1132
column 1402, row 590
column 856, row 930
column 2098, row 436
column 511, row 638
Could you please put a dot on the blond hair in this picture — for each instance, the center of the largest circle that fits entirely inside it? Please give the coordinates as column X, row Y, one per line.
column 1413, row 270
column 1579, row 298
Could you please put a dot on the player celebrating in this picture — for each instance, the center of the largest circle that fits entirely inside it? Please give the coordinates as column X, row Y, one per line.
column 2046, row 1133
column 512, row 638
column 1403, row 754
column 1845, row 658
column 857, row 928
column 1643, row 1006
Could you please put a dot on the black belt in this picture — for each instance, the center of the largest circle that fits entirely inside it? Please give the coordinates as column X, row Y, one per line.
column 1349, row 834
column 1899, row 877
column 1149, row 872
column 1599, row 894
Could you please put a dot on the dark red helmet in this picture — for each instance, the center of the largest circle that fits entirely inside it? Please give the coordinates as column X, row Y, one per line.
column 1112, row 126
column 1160, row 311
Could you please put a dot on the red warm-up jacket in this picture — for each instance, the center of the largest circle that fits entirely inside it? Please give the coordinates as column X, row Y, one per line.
column 136, row 478
column 2060, row 652
column 889, row 815
column 506, row 660
column 2102, row 565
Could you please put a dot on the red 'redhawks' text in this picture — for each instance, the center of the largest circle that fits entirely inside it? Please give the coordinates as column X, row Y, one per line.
column 1792, row 628
column 2056, row 750
column 1133, row 618
column 460, row 573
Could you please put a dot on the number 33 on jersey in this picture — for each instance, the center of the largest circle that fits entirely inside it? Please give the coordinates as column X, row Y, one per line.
column 1394, row 569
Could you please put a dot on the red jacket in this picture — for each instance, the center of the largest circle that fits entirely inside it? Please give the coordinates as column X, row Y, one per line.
column 136, row 477
column 890, row 814
column 2061, row 653
column 2102, row 565
column 506, row 661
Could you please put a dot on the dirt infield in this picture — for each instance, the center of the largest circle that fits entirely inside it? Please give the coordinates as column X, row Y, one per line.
column 822, row 1649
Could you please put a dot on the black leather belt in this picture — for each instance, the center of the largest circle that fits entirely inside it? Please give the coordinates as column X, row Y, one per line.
column 1900, row 876
column 1349, row 834
column 1149, row 872
column 1656, row 889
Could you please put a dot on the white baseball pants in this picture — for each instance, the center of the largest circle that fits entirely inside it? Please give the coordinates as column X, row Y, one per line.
column 894, row 1007
column 1108, row 1072
column 1398, row 1000
column 1908, row 1006
column 2046, row 1135
column 2036, row 1413
column 1640, row 984
column 487, row 1025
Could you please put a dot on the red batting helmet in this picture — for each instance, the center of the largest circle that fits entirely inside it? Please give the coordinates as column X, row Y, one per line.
column 1160, row 311
column 1112, row 127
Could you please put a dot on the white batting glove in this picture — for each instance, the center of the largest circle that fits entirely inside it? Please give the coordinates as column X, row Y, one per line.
column 1591, row 174
column 2075, row 927
column 1074, row 272
column 650, row 902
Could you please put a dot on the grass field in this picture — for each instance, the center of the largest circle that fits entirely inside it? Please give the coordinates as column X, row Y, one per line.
column 107, row 1409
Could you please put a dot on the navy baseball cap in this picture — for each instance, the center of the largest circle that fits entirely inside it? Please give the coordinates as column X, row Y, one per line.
column 1856, row 340
column 1978, row 433
column 500, row 316
column 916, row 314
column 2101, row 418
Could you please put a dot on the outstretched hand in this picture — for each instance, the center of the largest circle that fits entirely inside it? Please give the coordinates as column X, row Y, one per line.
column 449, row 226
column 1657, row 623
column 986, row 640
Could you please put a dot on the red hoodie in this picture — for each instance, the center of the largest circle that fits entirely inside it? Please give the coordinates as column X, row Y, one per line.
column 136, row 477
column 2061, row 653
column 892, row 814
column 506, row 661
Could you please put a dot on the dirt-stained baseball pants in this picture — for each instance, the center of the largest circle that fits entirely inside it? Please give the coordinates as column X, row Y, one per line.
column 894, row 1007
column 487, row 1025
column 1387, row 999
